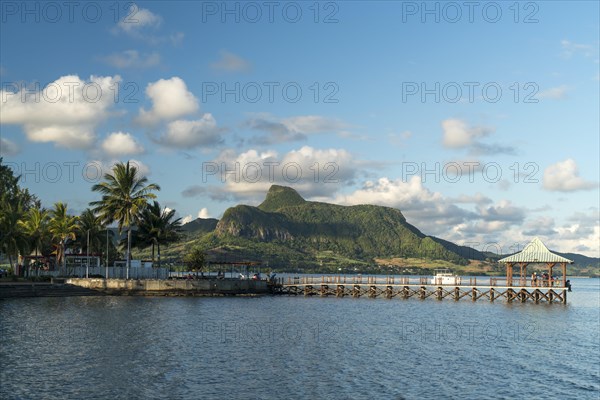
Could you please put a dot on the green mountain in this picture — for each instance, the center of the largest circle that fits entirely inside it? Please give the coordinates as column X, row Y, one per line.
column 200, row 226
column 286, row 230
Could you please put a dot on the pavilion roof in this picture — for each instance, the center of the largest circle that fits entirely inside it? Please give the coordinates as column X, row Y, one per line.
column 535, row 252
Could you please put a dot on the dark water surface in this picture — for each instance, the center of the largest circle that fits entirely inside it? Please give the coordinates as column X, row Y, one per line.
column 286, row 347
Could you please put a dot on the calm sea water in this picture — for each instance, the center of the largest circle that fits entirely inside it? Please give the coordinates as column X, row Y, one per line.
column 285, row 347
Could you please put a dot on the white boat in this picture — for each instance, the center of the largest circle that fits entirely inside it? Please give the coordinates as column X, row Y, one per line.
column 444, row 276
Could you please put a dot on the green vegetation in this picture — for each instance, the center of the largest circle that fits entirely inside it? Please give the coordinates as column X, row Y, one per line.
column 305, row 231
column 284, row 233
column 125, row 194
column 155, row 227
column 26, row 227
column 194, row 259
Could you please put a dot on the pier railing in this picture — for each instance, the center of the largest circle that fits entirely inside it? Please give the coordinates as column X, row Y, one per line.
column 378, row 280
column 423, row 287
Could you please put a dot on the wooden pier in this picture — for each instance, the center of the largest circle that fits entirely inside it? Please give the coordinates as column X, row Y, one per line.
column 491, row 289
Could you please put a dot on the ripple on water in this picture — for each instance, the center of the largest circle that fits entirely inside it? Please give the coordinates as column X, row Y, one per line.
column 188, row 348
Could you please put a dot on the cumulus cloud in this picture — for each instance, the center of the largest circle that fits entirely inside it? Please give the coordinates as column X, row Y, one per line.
column 477, row 198
column 137, row 20
column 132, row 59
column 203, row 213
column 119, row 144
column 503, row 211
column 144, row 25
column 580, row 232
column 66, row 112
column 230, row 62
column 170, row 100
column 564, row 177
column 280, row 130
column 187, row 134
column 541, row 226
column 316, row 173
column 8, row 148
column 457, row 134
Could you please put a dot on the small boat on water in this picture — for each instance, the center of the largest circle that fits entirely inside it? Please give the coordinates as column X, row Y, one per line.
column 444, row 276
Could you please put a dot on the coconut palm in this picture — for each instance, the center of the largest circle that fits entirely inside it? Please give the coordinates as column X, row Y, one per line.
column 12, row 239
column 14, row 203
column 156, row 227
column 34, row 226
column 125, row 194
column 63, row 227
column 90, row 224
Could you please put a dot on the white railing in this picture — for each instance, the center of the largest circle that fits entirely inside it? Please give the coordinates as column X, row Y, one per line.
column 113, row 272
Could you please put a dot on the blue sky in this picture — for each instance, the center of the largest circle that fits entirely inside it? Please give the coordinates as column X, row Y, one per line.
column 481, row 124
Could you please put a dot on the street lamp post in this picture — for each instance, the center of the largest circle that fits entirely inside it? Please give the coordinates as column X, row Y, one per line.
column 87, row 264
column 106, row 275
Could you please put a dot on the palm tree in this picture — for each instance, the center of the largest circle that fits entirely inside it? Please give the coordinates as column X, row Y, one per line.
column 124, row 196
column 89, row 223
column 156, row 227
column 35, row 227
column 62, row 227
column 12, row 239
column 14, row 203
column 91, row 232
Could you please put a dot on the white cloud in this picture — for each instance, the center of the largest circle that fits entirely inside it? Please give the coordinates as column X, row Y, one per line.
column 119, row 144
column 138, row 19
column 541, row 226
column 230, row 62
column 503, row 211
column 280, row 130
column 203, row 213
column 564, row 177
column 457, row 134
column 477, row 198
column 142, row 24
column 170, row 100
column 132, row 59
column 143, row 169
column 312, row 124
column 247, row 176
column 95, row 170
column 8, row 148
column 555, row 93
column 66, row 112
column 187, row 134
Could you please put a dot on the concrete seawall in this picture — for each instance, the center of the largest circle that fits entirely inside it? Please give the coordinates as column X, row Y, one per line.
column 175, row 287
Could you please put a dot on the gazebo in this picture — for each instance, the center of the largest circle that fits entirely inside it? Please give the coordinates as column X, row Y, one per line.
column 536, row 253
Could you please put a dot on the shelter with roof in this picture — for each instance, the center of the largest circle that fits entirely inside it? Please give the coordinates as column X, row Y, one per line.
column 536, row 253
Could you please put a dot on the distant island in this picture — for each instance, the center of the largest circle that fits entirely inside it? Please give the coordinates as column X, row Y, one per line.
column 287, row 233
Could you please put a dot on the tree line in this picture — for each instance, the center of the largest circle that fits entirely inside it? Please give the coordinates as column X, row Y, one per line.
column 127, row 199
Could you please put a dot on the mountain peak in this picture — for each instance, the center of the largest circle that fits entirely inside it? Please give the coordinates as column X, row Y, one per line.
column 279, row 197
